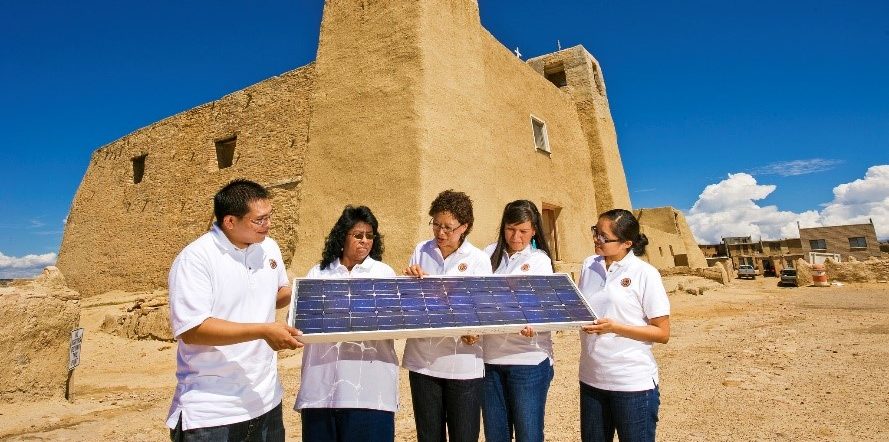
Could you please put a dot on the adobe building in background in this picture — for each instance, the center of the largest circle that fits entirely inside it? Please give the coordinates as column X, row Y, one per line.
column 405, row 99
column 857, row 241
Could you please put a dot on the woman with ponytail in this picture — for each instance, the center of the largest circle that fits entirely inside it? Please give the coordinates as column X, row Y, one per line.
column 618, row 373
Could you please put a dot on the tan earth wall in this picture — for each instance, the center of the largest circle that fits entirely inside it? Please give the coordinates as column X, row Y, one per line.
column 121, row 235
column 35, row 335
column 870, row 270
column 586, row 87
column 668, row 237
column 364, row 128
column 837, row 240
column 439, row 105
column 405, row 99
column 490, row 150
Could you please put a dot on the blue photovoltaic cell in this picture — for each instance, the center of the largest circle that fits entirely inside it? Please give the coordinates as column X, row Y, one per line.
column 356, row 305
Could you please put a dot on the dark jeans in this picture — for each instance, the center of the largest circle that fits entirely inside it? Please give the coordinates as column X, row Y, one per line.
column 632, row 413
column 347, row 424
column 515, row 400
column 451, row 403
column 268, row 427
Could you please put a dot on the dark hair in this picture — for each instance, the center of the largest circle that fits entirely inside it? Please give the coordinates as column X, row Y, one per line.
column 459, row 204
column 519, row 211
column 626, row 228
column 235, row 198
column 336, row 240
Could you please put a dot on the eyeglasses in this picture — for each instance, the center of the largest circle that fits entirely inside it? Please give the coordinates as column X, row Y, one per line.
column 600, row 238
column 443, row 228
column 366, row 235
column 264, row 221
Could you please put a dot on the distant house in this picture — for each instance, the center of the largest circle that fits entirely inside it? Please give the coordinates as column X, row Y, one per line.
column 768, row 257
column 857, row 241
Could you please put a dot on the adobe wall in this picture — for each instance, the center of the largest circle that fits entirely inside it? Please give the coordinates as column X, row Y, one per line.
column 437, row 104
column 837, row 240
column 122, row 235
column 586, row 87
column 870, row 270
column 36, row 320
column 364, row 128
column 478, row 136
column 669, row 236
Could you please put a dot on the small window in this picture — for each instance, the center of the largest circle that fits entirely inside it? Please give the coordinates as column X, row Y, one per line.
column 541, row 140
column 550, row 215
column 660, row 250
column 671, row 250
column 138, row 168
column 556, row 74
column 858, row 242
column 225, row 152
column 818, row 244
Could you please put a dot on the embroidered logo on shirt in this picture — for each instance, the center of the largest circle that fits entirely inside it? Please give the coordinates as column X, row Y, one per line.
column 462, row 267
column 625, row 282
column 526, row 267
column 273, row 264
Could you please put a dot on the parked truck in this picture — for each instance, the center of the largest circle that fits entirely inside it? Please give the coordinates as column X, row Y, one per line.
column 746, row 271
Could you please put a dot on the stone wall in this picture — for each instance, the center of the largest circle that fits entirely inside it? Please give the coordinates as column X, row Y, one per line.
column 147, row 318
column 715, row 273
column 36, row 320
column 870, row 270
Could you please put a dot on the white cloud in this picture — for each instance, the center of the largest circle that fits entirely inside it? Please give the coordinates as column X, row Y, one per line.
column 729, row 208
column 861, row 200
column 25, row 266
column 797, row 167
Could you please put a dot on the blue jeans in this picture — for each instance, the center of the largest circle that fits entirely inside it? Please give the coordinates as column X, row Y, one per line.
column 347, row 424
column 515, row 400
column 268, row 427
column 632, row 413
column 440, row 403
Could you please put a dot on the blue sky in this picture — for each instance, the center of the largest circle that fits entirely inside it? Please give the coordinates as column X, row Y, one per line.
column 775, row 105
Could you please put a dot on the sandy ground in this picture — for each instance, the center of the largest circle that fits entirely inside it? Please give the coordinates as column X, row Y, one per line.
column 749, row 361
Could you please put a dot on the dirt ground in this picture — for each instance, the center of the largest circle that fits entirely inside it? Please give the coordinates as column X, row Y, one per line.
column 749, row 361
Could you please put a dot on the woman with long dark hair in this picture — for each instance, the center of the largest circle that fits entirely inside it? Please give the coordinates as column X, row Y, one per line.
column 618, row 374
column 349, row 390
column 519, row 366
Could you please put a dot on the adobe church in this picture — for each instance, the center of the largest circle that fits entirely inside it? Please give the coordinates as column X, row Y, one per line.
column 404, row 99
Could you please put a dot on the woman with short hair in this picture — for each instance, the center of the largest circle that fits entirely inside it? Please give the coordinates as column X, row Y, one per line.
column 618, row 374
column 349, row 390
column 445, row 373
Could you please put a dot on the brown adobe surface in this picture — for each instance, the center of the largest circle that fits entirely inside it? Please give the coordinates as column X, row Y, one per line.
column 749, row 361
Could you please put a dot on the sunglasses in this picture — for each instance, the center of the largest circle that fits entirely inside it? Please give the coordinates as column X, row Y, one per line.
column 363, row 235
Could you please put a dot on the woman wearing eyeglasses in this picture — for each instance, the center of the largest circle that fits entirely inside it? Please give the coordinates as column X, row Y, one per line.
column 618, row 373
column 446, row 374
column 518, row 366
column 349, row 390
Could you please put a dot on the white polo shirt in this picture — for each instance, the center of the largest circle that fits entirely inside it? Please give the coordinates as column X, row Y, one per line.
column 350, row 374
column 630, row 292
column 513, row 348
column 220, row 385
column 447, row 357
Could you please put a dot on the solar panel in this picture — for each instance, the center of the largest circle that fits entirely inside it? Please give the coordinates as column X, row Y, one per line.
column 360, row 309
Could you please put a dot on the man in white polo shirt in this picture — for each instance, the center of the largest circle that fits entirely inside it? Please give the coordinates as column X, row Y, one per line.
column 224, row 288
